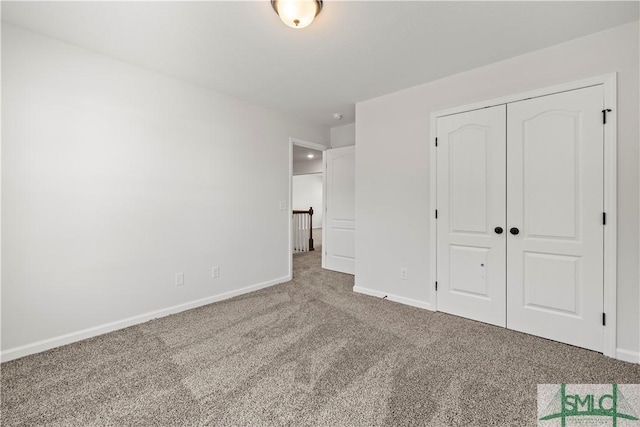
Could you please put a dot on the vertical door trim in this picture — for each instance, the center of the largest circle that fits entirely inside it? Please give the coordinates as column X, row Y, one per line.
column 432, row 293
column 609, row 83
column 610, row 138
column 323, row 258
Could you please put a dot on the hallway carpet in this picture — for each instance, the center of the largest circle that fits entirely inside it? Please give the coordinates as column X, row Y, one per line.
column 309, row 352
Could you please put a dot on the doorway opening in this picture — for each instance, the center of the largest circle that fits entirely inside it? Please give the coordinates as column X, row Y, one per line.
column 306, row 197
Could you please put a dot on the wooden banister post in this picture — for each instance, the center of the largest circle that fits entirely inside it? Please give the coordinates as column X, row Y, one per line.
column 311, row 228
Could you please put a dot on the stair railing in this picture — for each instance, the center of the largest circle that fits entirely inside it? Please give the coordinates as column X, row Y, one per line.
column 302, row 230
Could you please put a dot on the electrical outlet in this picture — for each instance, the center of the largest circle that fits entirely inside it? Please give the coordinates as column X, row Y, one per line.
column 215, row 272
column 179, row 279
column 403, row 273
column 283, row 205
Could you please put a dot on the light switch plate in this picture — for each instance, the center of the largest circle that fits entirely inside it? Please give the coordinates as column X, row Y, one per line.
column 179, row 279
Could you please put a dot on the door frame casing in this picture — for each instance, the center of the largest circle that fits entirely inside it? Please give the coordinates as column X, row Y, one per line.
column 609, row 85
column 314, row 146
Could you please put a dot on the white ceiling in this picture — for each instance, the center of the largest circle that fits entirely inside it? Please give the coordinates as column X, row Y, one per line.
column 355, row 50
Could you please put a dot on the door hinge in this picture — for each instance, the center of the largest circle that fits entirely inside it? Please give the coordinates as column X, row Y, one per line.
column 604, row 218
column 436, row 213
column 604, row 115
column 604, row 319
column 436, row 142
column 436, row 285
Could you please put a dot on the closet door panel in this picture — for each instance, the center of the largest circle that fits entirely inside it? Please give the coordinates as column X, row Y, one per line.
column 471, row 204
column 555, row 201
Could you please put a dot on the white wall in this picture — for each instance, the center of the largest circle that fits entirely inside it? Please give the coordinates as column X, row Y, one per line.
column 307, row 192
column 392, row 163
column 307, row 166
column 114, row 178
column 342, row 136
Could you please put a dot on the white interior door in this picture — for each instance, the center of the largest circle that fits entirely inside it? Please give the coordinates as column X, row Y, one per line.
column 340, row 221
column 555, row 200
column 471, row 206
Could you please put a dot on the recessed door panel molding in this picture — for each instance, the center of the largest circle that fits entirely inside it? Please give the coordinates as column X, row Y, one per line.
column 555, row 195
column 551, row 193
column 469, row 177
column 468, row 271
column 542, row 275
column 471, row 203
column 526, row 236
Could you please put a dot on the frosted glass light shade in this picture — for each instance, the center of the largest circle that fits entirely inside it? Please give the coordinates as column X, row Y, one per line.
column 297, row 13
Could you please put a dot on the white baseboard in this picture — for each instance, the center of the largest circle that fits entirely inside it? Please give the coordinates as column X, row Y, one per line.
column 395, row 298
column 627, row 355
column 40, row 346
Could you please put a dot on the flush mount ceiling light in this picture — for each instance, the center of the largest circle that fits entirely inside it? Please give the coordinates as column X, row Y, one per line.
column 297, row 13
column 310, row 156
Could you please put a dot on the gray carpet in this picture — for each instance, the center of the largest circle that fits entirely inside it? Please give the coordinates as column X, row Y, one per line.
column 308, row 352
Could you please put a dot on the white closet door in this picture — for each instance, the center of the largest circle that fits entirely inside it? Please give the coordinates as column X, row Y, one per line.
column 340, row 219
column 471, row 204
column 555, row 200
